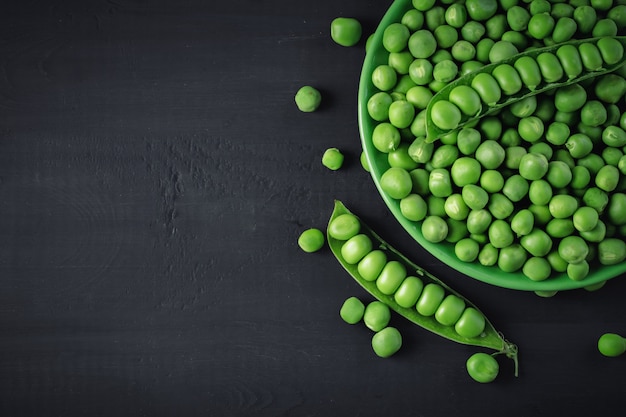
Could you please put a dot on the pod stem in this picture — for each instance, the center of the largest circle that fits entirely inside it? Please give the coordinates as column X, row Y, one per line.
column 510, row 350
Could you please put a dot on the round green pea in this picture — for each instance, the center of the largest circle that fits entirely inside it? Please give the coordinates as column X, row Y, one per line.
column 512, row 258
column 391, row 276
column 541, row 25
column 445, row 115
column 570, row 98
column 585, row 17
column 386, row 342
column 564, row 29
column 352, row 310
column 611, row 251
column 376, row 315
column 466, row 250
column 471, row 323
column 308, row 99
column 522, row 222
column 346, row 31
column 611, row 49
column 573, row 249
column 344, row 226
column 529, row 71
column 531, row 128
column 517, row 18
column 386, row 137
column 372, row 264
column 421, row 71
column 355, row 248
column 450, row 310
column 395, row 37
column 559, row 228
column 590, row 56
column 481, row 10
column 422, row 43
column 537, row 269
column 502, row 50
column 332, row 159
column 384, row 77
column 311, row 240
column 487, row 88
column 466, row 99
column 550, row 67
column 430, row 299
column 508, row 79
column 434, row 229
column 465, row 170
column 409, row 291
column 611, row 345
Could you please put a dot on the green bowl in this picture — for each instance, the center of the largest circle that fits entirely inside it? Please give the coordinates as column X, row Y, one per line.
column 378, row 164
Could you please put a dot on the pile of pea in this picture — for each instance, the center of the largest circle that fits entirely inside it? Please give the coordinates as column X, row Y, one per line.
column 503, row 126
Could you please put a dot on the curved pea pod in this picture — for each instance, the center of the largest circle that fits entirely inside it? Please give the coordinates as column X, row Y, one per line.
column 489, row 337
column 496, row 102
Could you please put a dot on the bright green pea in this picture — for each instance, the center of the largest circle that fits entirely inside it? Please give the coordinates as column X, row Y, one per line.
column 510, row 138
column 500, row 234
column 395, row 37
column 496, row 26
column 468, row 139
column 537, row 242
column 585, row 17
column 378, row 106
column 517, row 18
column 610, row 88
column 562, row 206
column 608, row 178
column 541, row 25
column 540, row 6
column 611, row 251
column 604, row 27
column 478, row 221
column 430, row 299
column 524, row 107
column 345, row 31
column 491, row 181
column 391, row 276
column 516, row 38
column 570, row 98
column 400, row 158
column 355, row 248
column 529, row 71
column 508, row 79
column 491, row 128
column 446, row 36
column 455, row 207
column 372, row 264
column 540, row 191
column 579, row 145
column 401, row 114
column 422, row 44
column 562, row 10
column 617, row 209
column 585, row 219
column 593, row 113
column 488, row 255
column 471, row 323
column 400, row 61
column 352, row 310
column 533, row 166
column 618, row 15
column 473, row 31
column 531, row 128
column 376, row 315
column 386, row 137
column 444, row 156
column 474, row 197
column 512, row 258
column 590, row 56
column 557, row 133
column 514, row 156
column 419, row 96
column 457, row 230
column 502, row 50
column 483, row 48
column 611, row 49
column 423, row 5
column 421, row 71
column 396, row 182
column 522, row 222
column 445, row 71
column 570, row 60
column 434, row 229
column 311, row 240
column 435, row 17
column 515, row 188
column 537, row 268
column 408, row 292
column 500, row 206
column 550, row 67
column 308, row 99
column 344, row 226
column 580, row 177
column 384, row 77
column 481, row 9
column 466, row 99
column 596, row 198
column 559, row 174
column 465, row 170
column 573, row 249
column 463, row 51
column 332, row 159
column 450, row 309
column 386, row 342
column 445, row 115
column 487, row 88
column 564, row 29
column 611, row 345
column 420, row 150
column 456, row 15
column 413, row 207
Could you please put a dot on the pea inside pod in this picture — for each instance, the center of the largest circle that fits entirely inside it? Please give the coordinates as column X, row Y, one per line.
column 521, row 76
column 447, row 312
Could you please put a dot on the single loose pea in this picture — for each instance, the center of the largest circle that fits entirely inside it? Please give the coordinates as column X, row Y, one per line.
column 456, row 15
column 610, row 88
column 515, row 188
column 445, row 71
column 604, row 27
column 593, row 113
column 483, row 47
column 478, row 221
column 386, row 137
column 524, row 107
column 562, row 206
column 560, row 228
column 395, row 37
column 482, row 367
column 474, row 197
column 408, row 292
column 346, row 31
column 378, row 106
column 570, row 98
column 386, row 342
column 487, row 88
column 355, row 248
column 496, row 26
column 401, row 114
column 557, row 133
column 421, row 71
column 559, row 174
column 466, row 250
column 414, row 207
column 517, row 18
column 430, row 299
column 352, row 310
column 585, row 17
column 311, row 240
column 439, row 182
column 500, row 234
column 512, row 258
column 446, row 36
column 308, row 99
column 473, row 31
column 491, row 181
column 564, row 29
column 616, row 210
column 372, row 264
column 332, row 159
column 490, row 154
column 607, row 178
column 465, row 170
column 463, row 51
column 537, row 242
column 579, row 271
column 455, row 207
column 488, row 255
column 396, row 182
column 500, row 206
column 376, row 315
column 611, row 345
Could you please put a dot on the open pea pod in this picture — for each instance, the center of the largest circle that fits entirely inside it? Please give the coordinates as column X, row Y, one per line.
column 489, row 337
column 434, row 132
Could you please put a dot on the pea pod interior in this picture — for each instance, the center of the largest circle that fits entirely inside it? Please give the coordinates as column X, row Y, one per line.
column 489, row 338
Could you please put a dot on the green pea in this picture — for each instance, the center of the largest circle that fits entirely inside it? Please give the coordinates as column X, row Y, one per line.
column 573, row 249
column 455, row 207
column 456, row 15
column 413, row 19
column 466, row 99
column 608, row 178
column 445, row 115
column 343, row 227
column 516, row 38
column 445, row 71
column 423, row 5
column 496, row 26
column 395, row 37
column 444, row 156
column 562, row 10
column 384, row 77
column 378, row 106
column 557, row 133
column 473, row 31
column 596, row 198
column 579, row 145
column 435, row 17
column 332, row 159
column 541, row 25
column 478, row 221
column 500, row 206
column 590, row 56
column 352, row 310
column 376, row 315
column 446, row 36
column 510, row 139
column 585, row 17
column 457, row 230
column 474, row 197
column 611, row 345
column 512, row 258
column 537, row 242
column 531, row 128
column 311, row 240
column 372, row 265
column 593, row 113
column 529, row 71
column 483, row 48
column 450, row 310
column 610, row 88
column 560, row 228
column 508, row 79
column 487, row 88
column 409, row 291
column 540, row 6
column 617, row 209
column 500, row 234
column 422, row 44
column 490, row 154
column 434, row 229
column 436, row 206
column 522, row 222
column 345, row 31
column 465, row 170
column 468, row 139
column 355, row 248
column 550, row 67
column 585, row 219
column 537, row 268
column 308, row 99
column 570, row 98
column 421, row 71
column 391, row 276
column 471, row 323
column 387, row 342
column 502, row 50
column 488, row 255
column 430, row 299
column 524, row 107
column 611, row 49
column 533, row 166
column 611, row 251
column 396, row 182
column 400, row 61
column 515, row 188
column 401, row 114
column 570, row 60
column 463, row 51
column 491, row 128
column 580, row 177
column 413, row 207
column 363, row 161
column 593, row 162
column 564, row 29
column 618, row 15
column 517, row 18
column 386, row 137
column 604, row 27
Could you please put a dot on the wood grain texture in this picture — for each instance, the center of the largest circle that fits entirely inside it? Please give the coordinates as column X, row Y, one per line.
column 154, row 177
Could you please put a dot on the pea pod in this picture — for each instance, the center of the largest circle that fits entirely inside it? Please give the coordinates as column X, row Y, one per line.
column 484, row 82
column 489, row 337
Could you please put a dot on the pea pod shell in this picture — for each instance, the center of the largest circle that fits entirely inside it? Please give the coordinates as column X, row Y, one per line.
column 490, row 338
column 433, row 132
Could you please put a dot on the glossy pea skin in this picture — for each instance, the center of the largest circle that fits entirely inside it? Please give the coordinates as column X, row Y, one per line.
column 610, row 88
column 401, row 114
column 395, row 37
column 611, row 50
column 564, row 29
column 465, row 170
column 500, row 234
column 466, row 99
column 611, row 345
column 372, row 265
column 523, row 222
column 344, row 226
column 332, row 159
column 512, row 258
column 439, row 182
column 473, row 31
column 466, row 250
column 508, row 79
column 384, row 77
column 541, row 25
column 611, row 251
column 531, row 128
column 445, row 115
column 355, row 248
column 590, row 56
column 471, row 323
column 537, row 269
column 434, row 229
column 573, row 249
column 450, row 310
column 430, row 299
column 311, row 240
column 570, row 98
column 391, row 276
column 517, row 18
column 409, row 291
column 529, row 71
column 422, row 44
column 570, row 60
column 482, row 367
column 308, row 99
column 378, row 106
column 387, row 342
column 585, row 17
column 376, row 315
column 414, row 207
column 487, row 88
column 396, row 182
column 346, row 31
column 550, row 67
column 352, row 310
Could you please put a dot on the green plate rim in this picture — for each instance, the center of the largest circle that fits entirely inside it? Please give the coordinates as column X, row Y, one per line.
column 444, row 252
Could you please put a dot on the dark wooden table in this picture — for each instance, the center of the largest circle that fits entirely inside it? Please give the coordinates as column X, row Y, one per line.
column 155, row 174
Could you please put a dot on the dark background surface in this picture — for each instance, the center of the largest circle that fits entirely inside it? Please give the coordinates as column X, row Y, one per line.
column 155, row 174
